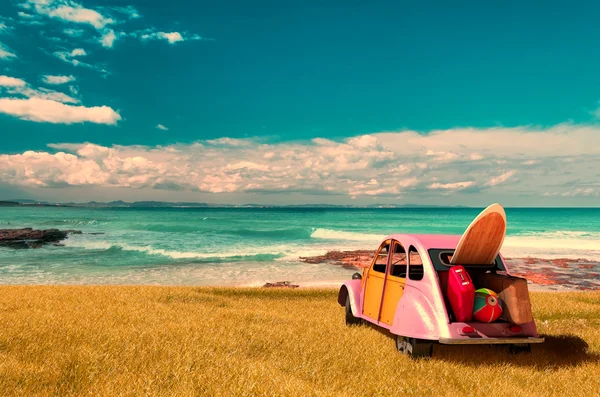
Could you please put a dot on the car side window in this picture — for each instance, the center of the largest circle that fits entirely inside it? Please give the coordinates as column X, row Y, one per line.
column 398, row 261
column 415, row 264
column 381, row 259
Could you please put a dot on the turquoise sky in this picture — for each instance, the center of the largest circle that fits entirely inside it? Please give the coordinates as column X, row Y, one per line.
column 293, row 71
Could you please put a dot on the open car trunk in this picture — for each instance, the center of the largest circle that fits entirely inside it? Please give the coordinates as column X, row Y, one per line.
column 512, row 291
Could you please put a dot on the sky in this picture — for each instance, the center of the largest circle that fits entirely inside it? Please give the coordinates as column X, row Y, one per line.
column 270, row 102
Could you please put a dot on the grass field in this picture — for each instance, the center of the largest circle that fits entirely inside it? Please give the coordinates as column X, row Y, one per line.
column 186, row 341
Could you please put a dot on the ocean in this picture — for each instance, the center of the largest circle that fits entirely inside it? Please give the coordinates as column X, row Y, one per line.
column 251, row 246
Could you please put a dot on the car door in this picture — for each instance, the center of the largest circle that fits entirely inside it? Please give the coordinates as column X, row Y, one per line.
column 375, row 281
column 394, row 285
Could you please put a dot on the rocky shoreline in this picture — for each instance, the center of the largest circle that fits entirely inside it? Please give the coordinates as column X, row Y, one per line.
column 357, row 259
column 542, row 274
column 32, row 238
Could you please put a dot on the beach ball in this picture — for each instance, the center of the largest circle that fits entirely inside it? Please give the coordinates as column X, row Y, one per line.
column 487, row 307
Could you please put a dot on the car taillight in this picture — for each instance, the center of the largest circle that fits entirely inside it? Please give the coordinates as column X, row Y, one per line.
column 516, row 329
column 467, row 330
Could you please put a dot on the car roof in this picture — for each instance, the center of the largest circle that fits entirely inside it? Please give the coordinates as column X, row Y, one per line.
column 427, row 241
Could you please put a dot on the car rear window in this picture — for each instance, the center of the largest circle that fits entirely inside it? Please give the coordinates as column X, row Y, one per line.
column 440, row 260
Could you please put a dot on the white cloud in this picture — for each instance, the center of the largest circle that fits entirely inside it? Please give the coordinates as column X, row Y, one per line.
column 248, row 165
column 581, row 192
column 108, row 39
column 70, row 11
column 6, row 81
column 5, row 24
column 56, row 80
column 78, row 52
column 5, row 52
column 229, row 142
column 453, row 186
column 30, row 20
column 44, row 169
column 501, row 178
column 50, row 111
column 44, row 93
column 574, row 193
column 171, row 37
column 80, row 15
column 391, row 164
column 72, row 58
column 104, row 19
column 130, row 11
column 73, row 32
column 65, row 56
column 524, row 142
column 442, row 156
column 25, row 15
column 162, row 127
column 17, row 86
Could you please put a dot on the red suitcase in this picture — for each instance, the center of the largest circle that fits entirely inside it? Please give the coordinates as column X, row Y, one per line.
column 461, row 293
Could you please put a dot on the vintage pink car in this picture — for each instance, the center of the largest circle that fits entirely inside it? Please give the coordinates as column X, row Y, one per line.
column 404, row 291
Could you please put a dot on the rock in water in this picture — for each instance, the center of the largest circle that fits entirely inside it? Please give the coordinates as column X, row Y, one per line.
column 280, row 284
column 30, row 238
column 358, row 259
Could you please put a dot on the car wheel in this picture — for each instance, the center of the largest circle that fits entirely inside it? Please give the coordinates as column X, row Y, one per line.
column 519, row 348
column 350, row 319
column 414, row 347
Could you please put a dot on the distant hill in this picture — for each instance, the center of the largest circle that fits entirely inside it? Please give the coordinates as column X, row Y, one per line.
column 141, row 204
column 28, row 203
column 167, row 204
column 9, row 204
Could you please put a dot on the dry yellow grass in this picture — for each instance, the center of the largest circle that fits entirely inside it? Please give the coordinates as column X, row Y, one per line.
column 184, row 341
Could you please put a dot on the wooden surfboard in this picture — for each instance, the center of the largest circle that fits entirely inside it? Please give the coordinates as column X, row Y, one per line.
column 481, row 242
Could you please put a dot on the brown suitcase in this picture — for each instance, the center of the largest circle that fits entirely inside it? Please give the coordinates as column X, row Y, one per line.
column 514, row 294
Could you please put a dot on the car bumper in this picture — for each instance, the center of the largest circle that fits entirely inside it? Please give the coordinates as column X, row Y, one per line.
column 490, row 341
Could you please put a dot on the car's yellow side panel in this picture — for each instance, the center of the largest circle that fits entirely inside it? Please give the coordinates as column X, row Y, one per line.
column 373, row 292
column 393, row 292
column 374, row 282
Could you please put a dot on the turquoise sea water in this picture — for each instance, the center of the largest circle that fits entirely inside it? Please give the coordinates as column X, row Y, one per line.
column 247, row 246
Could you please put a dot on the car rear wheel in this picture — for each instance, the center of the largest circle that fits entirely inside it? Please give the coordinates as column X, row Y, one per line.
column 350, row 319
column 414, row 347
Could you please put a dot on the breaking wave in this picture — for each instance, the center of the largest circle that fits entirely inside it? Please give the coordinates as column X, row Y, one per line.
column 567, row 244
column 79, row 222
column 264, row 254
column 341, row 235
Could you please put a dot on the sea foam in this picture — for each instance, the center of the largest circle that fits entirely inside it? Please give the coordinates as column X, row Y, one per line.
column 556, row 244
column 174, row 254
column 343, row 235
